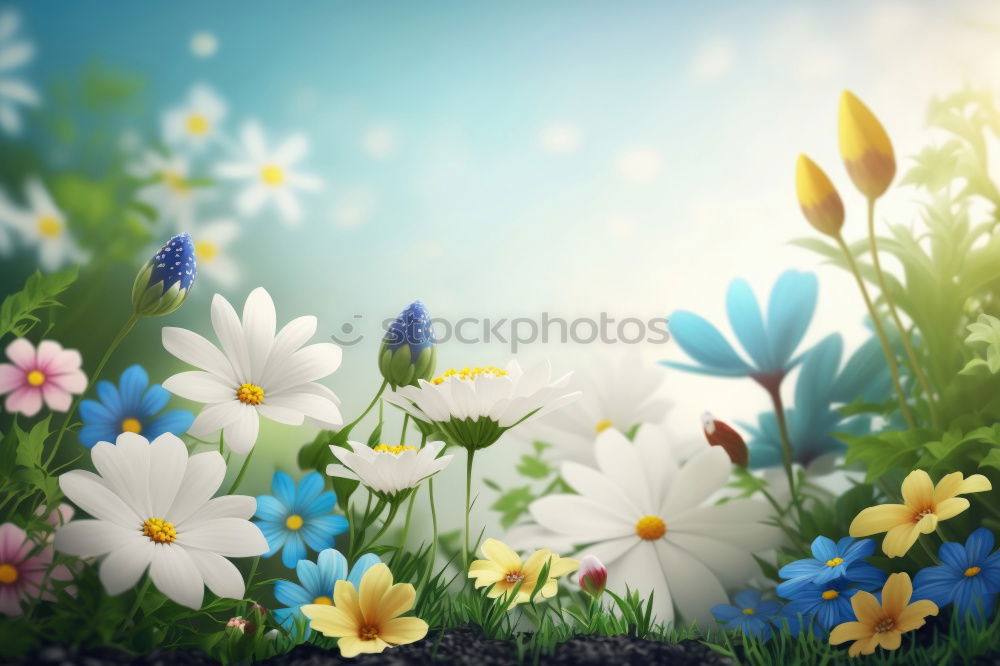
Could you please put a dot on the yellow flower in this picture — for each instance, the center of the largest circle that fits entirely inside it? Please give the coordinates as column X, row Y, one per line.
column 367, row 621
column 865, row 147
column 503, row 569
column 924, row 506
column 818, row 198
column 886, row 623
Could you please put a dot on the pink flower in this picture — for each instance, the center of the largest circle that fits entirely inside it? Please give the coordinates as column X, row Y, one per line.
column 51, row 372
column 21, row 573
column 593, row 576
column 241, row 625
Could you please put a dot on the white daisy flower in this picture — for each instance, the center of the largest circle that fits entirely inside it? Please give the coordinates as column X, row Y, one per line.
column 652, row 522
column 270, row 174
column 41, row 223
column 14, row 92
column 211, row 241
column 197, row 120
column 615, row 394
column 257, row 373
column 388, row 470
column 152, row 507
column 475, row 406
column 171, row 192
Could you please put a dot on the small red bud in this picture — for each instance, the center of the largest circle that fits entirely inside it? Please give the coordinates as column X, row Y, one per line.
column 593, row 576
column 719, row 433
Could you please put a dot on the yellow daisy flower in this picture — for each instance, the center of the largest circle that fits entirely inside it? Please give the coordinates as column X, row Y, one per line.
column 503, row 569
column 883, row 625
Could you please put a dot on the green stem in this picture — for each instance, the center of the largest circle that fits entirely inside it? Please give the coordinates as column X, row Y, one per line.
column 125, row 329
column 786, row 445
column 221, row 433
column 381, row 389
column 138, row 601
column 890, row 356
column 468, row 507
column 241, row 473
column 402, row 434
column 385, row 525
column 904, row 334
column 434, row 528
column 927, row 549
column 406, row 522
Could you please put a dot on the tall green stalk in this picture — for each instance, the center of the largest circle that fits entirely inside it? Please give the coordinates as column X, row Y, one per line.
column 786, row 444
column 468, row 507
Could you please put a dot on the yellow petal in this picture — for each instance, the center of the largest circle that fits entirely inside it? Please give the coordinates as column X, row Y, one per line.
column 849, row 631
column 947, row 487
column 562, row 566
column 866, row 608
column 913, row 615
column 533, row 566
column 330, row 620
column 818, row 199
column 896, row 594
column 501, row 553
column 865, row 147
column 863, row 646
column 550, row 589
column 880, row 518
column 403, row 630
column 900, row 539
column 352, row 646
column 345, row 597
column 918, row 491
column 890, row 640
column 951, row 508
column 396, row 601
column 928, row 523
column 374, row 584
column 976, row 483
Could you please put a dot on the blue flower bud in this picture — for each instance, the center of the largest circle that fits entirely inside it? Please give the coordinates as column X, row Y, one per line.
column 165, row 280
column 407, row 352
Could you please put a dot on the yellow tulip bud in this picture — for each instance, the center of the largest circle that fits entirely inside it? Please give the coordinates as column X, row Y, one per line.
column 865, row 147
column 818, row 198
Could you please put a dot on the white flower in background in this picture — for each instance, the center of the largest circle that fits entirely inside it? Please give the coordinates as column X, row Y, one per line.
column 14, row 92
column 152, row 507
column 653, row 524
column 270, row 174
column 388, row 469
column 41, row 223
column 619, row 394
column 211, row 241
column 257, row 373
column 170, row 191
column 474, row 406
column 204, row 44
column 197, row 120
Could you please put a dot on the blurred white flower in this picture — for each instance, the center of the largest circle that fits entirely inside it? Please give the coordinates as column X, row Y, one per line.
column 40, row 223
column 379, row 141
column 269, row 174
column 640, row 164
column 14, row 52
column 197, row 120
column 713, row 59
column 204, row 44
column 560, row 139
column 171, row 192
column 211, row 241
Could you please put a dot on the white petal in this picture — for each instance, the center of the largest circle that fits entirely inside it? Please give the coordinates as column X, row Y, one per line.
column 259, row 322
column 175, row 575
column 292, row 150
column 202, row 477
column 229, row 330
column 213, row 418
column 658, row 462
column 306, row 365
column 701, row 476
column 168, row 458
column 87, row 491
column 641, row 570
column 192, row 348
column 91, row 538
column 228, row 506
column 738, row 522
column 618, row 458
column 693, row 587
column 230, row 537
column 293, row 335
column 580, row 518
column 251, row 199
column 241, row 434
column 279, row 413
column 733, row 566
column 592, row 484
column 201, row 386
column 220, row 575
column 304, row 402
column 123, row 567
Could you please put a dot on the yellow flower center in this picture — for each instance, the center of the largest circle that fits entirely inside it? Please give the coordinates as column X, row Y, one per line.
column 272, row 175
column 159, row 530
column 602, row 426
column 49, row 226
column 650, row 528
column 830, row 594
column 886, row 624
column 835, row 562
column 176, row 182
column 368, row 633
column 8, row 574
column 972, row 571
column 323, row 601
column 748, row 611
column 250, row 394
column 514, row 577
column 205, row 251
column 197, row 124
column 36, row 378
column 132, row 425
column 396, row 450
column 293, row 522
column 470, row 373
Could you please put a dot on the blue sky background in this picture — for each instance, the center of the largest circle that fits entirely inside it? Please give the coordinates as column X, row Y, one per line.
column 680, row 123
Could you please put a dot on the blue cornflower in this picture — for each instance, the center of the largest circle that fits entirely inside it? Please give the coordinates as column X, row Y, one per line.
column 818, row 388
column 166, row 279
column 750, row 614
column 316, row 583
column 298, row 516
column 132, row 406
column 407, row 352
column 828, row 604
column 769, row 345
column 830, row 561
column 968, row 576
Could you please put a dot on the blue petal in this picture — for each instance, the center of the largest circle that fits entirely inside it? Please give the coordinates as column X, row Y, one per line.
column 176, row 421
column 970, row 597
column 291, row 594
column 795, row 588
column 94, row 413
column 768, row 609
column 311, row 579
column 819, row 367
column 322, row 504
column 726, row 613
column 294, row 550
column 703, row 343
column 801, row 568
column 308, row 489
column 364, row 563
column 130, row 387
column 954, row 556
column 154, row 400
column 747, row 599
column 275, row 534
column 856, row 550
column 748, row 323
column 329, row 524
column 332, row 567
column 823, row 549
column 92, row 434
column 286, row 616
column 865, row 375
column 865, row 576
column 108, row 394
column 269, row 508
column 789, row 311
column 283, row 488
column 702, row 370
column 937, row 584
column 979, row 544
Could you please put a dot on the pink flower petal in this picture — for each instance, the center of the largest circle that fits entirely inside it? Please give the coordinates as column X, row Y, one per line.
column 57, row 399
column 74, row 381
column 63, row 362
column 11, row 377
column 48, row 352
column 22, row 354
column 14, row 544
column 27, row 400
column 10, row 602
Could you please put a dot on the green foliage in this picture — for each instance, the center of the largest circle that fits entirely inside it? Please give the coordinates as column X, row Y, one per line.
column 985, row 330
column 19, row 311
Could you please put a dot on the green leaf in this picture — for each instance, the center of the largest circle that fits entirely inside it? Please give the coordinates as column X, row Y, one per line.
column 533, row 467
column 513, row 504
column 31, row 444
column 18, row 311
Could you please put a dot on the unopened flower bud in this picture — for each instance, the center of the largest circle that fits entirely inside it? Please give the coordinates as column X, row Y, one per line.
column 865, row 147
column 719, row 433
column 818, row 199
column 164, row 282
column 407, row 352
column 593, row 576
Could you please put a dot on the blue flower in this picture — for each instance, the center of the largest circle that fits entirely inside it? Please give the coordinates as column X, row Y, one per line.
column 968, row 576
column 132, row 406
column 407, row 352
column 818, row 388
column 316, row 583
column 830, row 561
column 750, row 614
column 828, row 604
column 770, row 345
column 298, row 516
